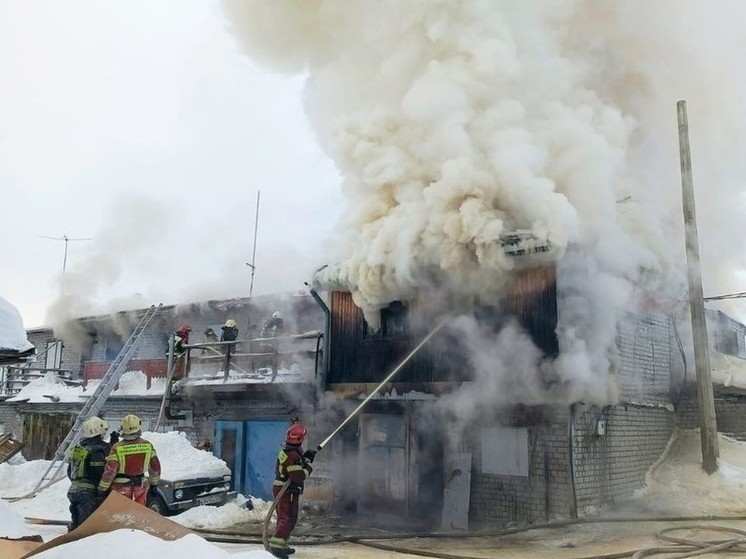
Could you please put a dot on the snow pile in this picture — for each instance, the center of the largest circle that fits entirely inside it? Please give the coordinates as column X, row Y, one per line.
column 133, row 383
column 12, row 333
column 678, row 485
column 48, row 388
column 125, row 544
column 220, row 518
column 294, row 373
column 11, row 524
column 180, row 460
column 17, row 479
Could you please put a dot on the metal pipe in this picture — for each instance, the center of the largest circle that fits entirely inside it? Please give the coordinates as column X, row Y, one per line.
column 327, row 329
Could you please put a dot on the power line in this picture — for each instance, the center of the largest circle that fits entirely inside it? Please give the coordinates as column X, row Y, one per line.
column 740, row 295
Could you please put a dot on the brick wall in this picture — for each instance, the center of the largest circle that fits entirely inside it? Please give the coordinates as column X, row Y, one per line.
column 611, row 463
column 612, row 447
column 730, row 413
column 546, row 493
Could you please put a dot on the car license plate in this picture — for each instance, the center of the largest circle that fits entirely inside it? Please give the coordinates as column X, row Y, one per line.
column 210, row 499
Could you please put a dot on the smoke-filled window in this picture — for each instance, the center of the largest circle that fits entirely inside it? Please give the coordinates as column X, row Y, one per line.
column 393, row 323
column 394, row 320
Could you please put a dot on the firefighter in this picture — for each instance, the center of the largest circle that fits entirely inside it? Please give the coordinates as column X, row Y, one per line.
column 181, row 338
column 210, row 338
column 230, row 331
column 86, row 465
column 292, row 466
column 127, row 463
column 272, row 328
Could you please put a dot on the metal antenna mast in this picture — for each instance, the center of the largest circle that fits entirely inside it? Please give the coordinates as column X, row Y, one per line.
column 252, row 264
column 64, row 259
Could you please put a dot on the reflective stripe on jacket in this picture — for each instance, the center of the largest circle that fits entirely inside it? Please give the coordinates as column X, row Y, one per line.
column 87, row 461
column 290, row 465
column 128, row 462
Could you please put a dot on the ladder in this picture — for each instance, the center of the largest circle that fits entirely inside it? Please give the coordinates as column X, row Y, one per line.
column 95, row 402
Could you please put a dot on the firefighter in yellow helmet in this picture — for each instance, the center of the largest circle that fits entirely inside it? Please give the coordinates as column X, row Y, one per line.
column 128, row 462
column 84, row 469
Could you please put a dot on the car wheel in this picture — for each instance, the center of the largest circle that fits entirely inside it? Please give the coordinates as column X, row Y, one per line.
column 158, row 505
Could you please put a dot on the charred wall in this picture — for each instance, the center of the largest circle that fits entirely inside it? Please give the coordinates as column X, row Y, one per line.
column 359, row 356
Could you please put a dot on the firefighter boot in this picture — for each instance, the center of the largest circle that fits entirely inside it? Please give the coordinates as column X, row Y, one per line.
column 279, row 552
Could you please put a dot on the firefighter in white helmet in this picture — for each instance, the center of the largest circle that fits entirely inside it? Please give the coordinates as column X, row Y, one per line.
column 85, row 469
column 128, row 462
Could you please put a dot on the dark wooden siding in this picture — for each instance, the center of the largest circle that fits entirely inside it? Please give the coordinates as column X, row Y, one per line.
column 43, row 433
column 355, row 358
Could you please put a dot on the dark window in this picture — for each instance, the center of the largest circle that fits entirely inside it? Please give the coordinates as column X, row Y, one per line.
column 393, row 323
column 113, row 347
column 393, row 320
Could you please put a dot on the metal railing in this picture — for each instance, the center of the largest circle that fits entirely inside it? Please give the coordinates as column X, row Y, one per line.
column 253, row 358
column 14, row 378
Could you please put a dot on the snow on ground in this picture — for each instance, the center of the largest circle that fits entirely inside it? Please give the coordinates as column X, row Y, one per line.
column 676, row 486
column 12, row 332
column 125, row 544
column 12, row 524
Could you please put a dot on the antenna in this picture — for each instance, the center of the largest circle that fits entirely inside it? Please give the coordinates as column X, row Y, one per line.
column 64, row 259
column 252, row 264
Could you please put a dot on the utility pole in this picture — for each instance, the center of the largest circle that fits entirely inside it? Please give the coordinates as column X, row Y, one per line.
column 64, row 259
column 705, row 397
column 252, row 264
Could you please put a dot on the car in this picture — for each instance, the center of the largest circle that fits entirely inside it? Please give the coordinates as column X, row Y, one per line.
column 174, row 497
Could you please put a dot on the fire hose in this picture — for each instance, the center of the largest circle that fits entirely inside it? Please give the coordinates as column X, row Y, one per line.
column 322, row 444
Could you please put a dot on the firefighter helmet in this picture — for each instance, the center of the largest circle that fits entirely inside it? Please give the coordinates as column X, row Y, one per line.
column 277, row 315
column 94, row 426
column 230, row 323
column 295, row 434
column 184, row 329
column 131, row 424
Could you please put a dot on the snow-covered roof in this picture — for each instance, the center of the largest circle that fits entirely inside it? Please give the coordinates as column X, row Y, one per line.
column 14, row 345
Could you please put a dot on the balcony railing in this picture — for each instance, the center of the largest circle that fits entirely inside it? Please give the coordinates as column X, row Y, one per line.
column 257, row 358
column 13, row 379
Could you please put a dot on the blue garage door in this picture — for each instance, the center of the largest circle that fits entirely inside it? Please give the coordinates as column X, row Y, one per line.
column 263, row 441
column 229, row 446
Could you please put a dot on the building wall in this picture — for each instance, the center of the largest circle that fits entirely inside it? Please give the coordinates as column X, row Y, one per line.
column 71, row 357
column 544, row 494
column 612, row 447
column 729, row 413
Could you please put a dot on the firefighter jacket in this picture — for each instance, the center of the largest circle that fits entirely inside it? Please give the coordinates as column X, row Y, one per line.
column 87, row 462
column 127, row 463
column 290, row 465
column 230, row 334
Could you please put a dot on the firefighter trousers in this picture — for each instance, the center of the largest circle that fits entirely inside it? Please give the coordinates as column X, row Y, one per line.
column 137, row 493
column 83, row 502
column 287, row 512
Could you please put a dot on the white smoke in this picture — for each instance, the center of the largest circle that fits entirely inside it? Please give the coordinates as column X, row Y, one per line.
column 453, row 122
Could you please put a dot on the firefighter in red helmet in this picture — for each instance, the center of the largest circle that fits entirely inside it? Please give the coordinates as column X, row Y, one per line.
column 293, row 466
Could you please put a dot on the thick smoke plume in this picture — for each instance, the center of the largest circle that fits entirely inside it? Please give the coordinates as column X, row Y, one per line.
column 454, row 122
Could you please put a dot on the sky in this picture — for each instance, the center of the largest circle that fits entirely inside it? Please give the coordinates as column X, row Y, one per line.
column 144, row 128
column 675, row 485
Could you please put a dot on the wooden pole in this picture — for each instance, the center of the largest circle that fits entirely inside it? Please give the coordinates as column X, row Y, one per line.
column 705, row 397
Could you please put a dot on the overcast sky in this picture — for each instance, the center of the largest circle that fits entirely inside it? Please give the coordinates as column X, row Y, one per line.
column 146, row 127
column 142, row 126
